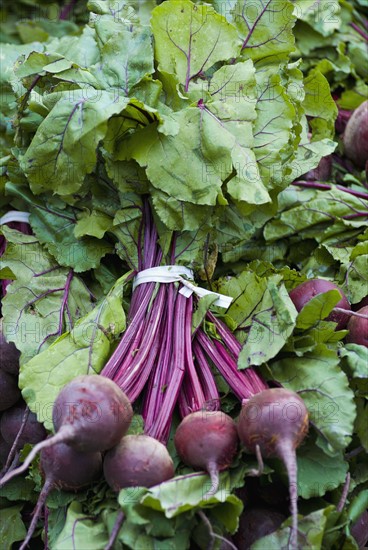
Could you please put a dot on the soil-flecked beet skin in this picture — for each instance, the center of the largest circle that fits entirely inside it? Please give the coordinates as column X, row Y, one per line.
column 95, row 410
column 207, row 440
column 276, row 420
column 138, row 460
column 358, row 328
column 304, row 292
column 11, row 422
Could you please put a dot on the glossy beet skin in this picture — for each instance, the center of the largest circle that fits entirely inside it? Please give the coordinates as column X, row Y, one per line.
column 356, row 136
column 138, row 460
column 9, row 391
column 94, row 413
column 207, row 440
column 304, row 292
column 11, row 422
column 358, row 328
column 9, row 355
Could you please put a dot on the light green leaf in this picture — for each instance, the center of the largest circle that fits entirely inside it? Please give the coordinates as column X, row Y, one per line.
column 126, row 58
column 81, row 531
column 189, row 39
column 94, row 224
column 63, row 150
column 184, row 493
column 318, row 308
column 311, row 529
column 356, row 358
column 324, row 16
column 318, row 104
column 45, row 299
column 265, row 28
column 319, row 473
column 83, row 350
column 324, row 387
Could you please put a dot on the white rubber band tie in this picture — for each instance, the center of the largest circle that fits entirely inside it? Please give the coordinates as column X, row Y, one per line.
column 15, row 216
column 177, row 273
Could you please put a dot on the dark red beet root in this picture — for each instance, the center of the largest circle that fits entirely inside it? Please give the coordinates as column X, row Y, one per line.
column 9, row 391
column 207, row 440
column 356, row 136
column 304, row 292
column 11, row 421
column 358, row 329
column 63, row 468
column 256, row 523
column 91, row 413
column 68, row 468
column 9, row 355
column 138, row 460
column 94, row 410
column 276, row 421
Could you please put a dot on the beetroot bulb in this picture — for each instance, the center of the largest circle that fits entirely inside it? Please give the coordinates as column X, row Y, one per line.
column 358, row 328
column 207, row 440
column 304, row 292
column 63, row 468
column 355, row 137
column 275, row 422
column 136, row 461
column 91, row 413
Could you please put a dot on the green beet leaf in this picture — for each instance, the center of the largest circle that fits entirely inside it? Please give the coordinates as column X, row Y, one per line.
column 12, row 528
column 81, row 531
column 63, row 150
column 44, row 300
column 190, row 39
column 319, row 473
column 83, row 350
column 318, row 378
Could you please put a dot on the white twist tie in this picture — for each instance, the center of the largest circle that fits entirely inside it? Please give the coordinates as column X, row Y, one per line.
column 15, row 216
column 177, row 273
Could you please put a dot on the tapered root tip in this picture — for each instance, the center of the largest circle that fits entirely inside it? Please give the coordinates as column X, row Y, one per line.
column 213, row 472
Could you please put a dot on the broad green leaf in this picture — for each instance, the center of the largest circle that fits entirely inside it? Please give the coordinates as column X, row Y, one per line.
column 314, row 214
column 318, row 308
column 324, row 387
column 81, row 531
column 355, row 277
column 94, row 224
column 83, row 350
column 190, row 39
column 318, row 104
column 12, row 528
column 126, row 58
column 361, row 421
column 63, row 150
column 265, row 27
column 71, row 242
column 270, row 327
column 319, row 473
column 273, row 126
column 185, row 493
column 44, row 301
column 322, row 16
